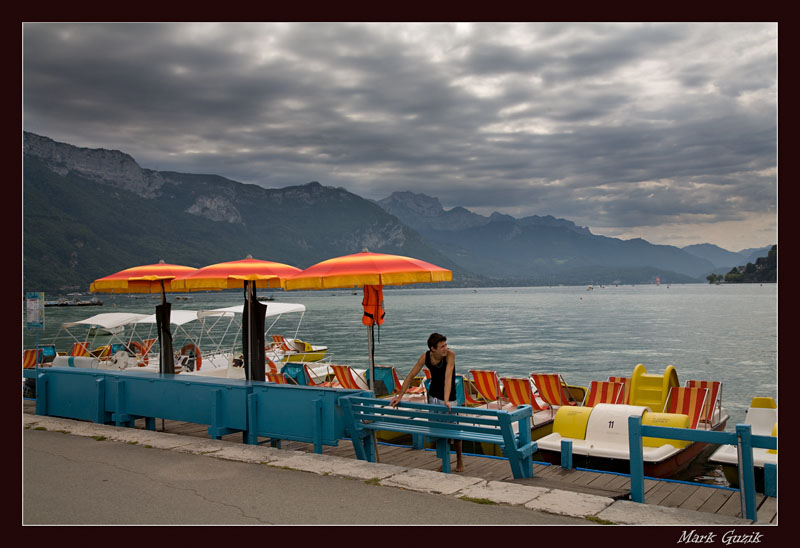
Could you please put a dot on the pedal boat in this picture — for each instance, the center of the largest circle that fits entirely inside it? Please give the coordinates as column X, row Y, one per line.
column 762, row 416
column 599, row 434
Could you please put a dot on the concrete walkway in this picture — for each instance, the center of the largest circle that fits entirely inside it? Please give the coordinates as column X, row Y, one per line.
column 501, row 502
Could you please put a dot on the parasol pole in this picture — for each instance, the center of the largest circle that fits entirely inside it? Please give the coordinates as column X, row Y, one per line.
column 371, row 346
column 249, row 360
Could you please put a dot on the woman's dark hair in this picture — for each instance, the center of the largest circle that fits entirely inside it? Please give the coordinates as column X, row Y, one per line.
column 435, row 339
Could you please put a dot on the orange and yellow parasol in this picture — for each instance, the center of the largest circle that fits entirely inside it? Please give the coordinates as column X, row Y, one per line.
column 371, row 271
column 248, row 273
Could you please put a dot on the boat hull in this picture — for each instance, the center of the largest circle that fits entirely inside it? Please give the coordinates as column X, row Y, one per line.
column 667, row 468
column 313, row 356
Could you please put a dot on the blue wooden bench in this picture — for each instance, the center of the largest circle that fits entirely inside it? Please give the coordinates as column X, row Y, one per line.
column 363, row 415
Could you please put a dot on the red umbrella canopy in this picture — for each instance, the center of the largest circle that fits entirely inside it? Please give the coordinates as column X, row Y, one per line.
column 367, row 268
column 141, row 279
column 232, row 275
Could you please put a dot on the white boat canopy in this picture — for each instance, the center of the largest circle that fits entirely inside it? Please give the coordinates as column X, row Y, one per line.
column 273, row 309
column 107, row 320
column 180, row 317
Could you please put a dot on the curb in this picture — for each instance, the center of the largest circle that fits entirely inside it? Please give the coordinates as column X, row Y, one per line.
column 553, row 501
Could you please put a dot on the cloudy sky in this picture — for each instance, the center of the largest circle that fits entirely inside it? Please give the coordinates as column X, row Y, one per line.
column 662, row 131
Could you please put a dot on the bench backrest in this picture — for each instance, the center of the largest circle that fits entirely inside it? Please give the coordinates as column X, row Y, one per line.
column 380, row 415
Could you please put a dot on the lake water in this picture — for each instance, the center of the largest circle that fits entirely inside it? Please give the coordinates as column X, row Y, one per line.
column 725, row 332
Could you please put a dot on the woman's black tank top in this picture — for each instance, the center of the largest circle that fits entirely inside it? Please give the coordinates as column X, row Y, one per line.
column 437, row 378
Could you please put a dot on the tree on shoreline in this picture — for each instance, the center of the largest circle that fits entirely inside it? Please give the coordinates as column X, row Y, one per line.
column 765, row 269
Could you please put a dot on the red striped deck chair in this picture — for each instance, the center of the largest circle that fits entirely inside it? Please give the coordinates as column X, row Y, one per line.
column 344, row 374
column 411, row 389
column 626, row 388
column 147, row 345
column 427, row 372
column 273, row 368
column 30, row 357
column 279, row 342
column 277, row 378
column 603, row 392
column 79, row 349
column 102, row 352
column 520, row 392
column 688, row 401
column 488, row 385
column 311, row 382
column 552, row 389
column 469, row 401
column 713, row 401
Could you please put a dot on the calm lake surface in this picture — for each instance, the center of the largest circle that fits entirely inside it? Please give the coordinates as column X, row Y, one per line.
column 720, row 332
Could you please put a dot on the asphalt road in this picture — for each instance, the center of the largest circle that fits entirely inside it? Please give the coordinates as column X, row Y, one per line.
column 76, row 480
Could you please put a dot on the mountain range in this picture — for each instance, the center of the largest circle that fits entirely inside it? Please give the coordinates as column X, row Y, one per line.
column 90, row 212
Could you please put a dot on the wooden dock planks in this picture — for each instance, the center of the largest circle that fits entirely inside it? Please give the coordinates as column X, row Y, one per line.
column 696, row 497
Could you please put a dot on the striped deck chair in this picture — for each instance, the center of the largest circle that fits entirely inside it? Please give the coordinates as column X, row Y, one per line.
column 626, row 388
column 520, row 392
column 410, row 390
column 102, row 352
column 463, row 397
column 603, row 392
column 344, row 374
column 273, row 368
column 30, row 357
column 469, row 401
column 277, row 378
column 488, row 385
column 79, row 349
column 311, row 382
column 552, row 389
column 688, row 401
column 713, row 401
column 279, row 342
column 147, row 345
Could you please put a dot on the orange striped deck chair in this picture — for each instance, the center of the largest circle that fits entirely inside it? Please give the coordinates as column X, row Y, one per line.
column 626, row 388
column 427, row 372
column 688, row 401
column 603, row 392
column 277, row 378
column 79, row 349
column 714, row 399
column 147, row 345
column 310, row 379
column 488, row 385
column 102, row 352
column 273, row 368
column 520, row 392
column 411, row 389
column 552, row 389
column 344, row 374
column 279, row 342
column 30, row 357
column 469, row 401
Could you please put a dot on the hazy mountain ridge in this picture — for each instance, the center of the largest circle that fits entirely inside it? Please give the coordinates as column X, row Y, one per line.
column 91, row 212
column 531, row 246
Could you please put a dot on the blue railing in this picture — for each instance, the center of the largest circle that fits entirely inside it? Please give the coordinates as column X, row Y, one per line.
column 253, row 408
column 742, row 438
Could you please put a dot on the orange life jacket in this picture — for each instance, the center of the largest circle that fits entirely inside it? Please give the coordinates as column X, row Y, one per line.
column 373, row 305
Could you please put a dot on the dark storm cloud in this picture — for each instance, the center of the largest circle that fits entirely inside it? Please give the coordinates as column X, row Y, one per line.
column 620, row 127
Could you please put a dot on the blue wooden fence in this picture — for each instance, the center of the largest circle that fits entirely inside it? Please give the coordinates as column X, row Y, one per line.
column 743, row 438
column 254, row 408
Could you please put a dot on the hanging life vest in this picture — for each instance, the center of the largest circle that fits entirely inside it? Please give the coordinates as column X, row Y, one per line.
column 373, row 305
